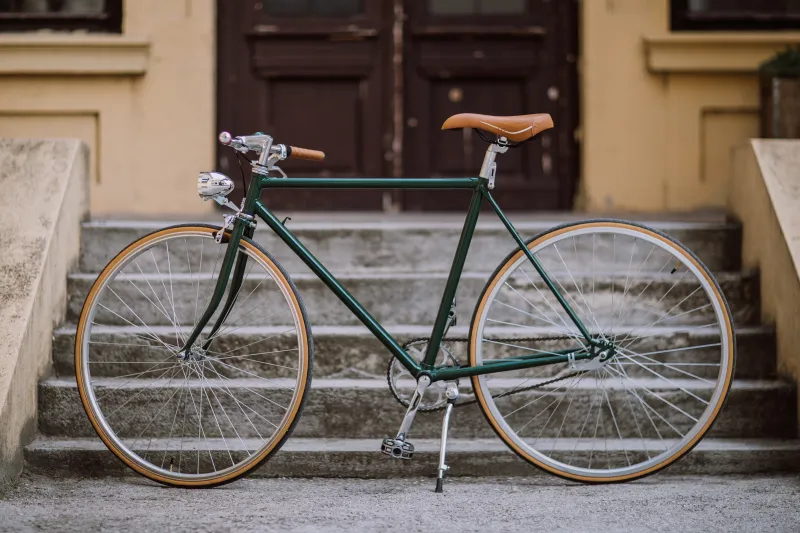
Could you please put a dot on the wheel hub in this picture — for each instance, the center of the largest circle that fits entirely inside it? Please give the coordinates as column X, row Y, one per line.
column 606, row 355
column 195, row 353
column 601, row 359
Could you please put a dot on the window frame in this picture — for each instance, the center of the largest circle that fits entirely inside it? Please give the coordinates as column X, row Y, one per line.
column 108, row 22
column 681, row 19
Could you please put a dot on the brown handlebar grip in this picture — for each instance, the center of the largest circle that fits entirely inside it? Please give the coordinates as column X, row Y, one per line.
column 305, row 153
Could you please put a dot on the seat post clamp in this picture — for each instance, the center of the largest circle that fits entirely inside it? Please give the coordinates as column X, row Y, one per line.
column 489, row 167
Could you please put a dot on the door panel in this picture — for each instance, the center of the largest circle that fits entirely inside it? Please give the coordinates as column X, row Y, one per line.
column 325, row 115
column 311, row 74
column 371, row 81
column 494, row 58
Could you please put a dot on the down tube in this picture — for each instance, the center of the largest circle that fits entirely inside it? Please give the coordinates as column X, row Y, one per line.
column 333, row 284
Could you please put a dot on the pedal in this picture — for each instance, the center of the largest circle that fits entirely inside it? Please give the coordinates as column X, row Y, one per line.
column 397, row 449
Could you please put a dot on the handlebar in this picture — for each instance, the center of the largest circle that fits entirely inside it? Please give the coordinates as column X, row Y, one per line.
column 259, row 142
column 304, row 153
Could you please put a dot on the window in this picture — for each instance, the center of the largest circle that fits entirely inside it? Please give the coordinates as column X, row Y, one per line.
column 750, row 15
column 90, row 15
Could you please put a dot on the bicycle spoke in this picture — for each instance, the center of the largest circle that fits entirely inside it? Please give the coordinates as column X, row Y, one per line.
column 174, row 419
column 154, row 418
column 675, row 407
column 550, row 305
column 257, row 341
column 511, row 345
column 633, row 412
column 667, row 365
column 230, row 422
column 228, row 332
column 240, row 404
column 178, row 335
column 203, row 390
column 580, row 293
column 244, row 358
column 145, row 328
column 124, row 332
column 665, row 379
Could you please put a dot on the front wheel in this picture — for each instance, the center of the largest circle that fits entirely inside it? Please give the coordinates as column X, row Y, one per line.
column 606, row 419
column 212, row 413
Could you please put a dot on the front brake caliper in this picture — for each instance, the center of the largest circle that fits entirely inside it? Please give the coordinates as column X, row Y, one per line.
column 226, row 224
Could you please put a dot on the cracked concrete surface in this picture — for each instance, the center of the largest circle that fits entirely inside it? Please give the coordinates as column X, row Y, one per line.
column 44, row 197
column 751, row 503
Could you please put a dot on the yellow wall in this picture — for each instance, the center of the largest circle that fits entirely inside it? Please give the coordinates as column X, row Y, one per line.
column 143, row 101
column 661, row 112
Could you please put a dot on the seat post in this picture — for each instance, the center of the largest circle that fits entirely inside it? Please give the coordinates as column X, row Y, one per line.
column 489, row 167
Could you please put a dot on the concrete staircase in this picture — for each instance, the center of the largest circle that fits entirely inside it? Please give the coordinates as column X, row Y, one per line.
column 397, row 266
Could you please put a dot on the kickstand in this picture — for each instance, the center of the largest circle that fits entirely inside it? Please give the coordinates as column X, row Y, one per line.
column 452, row 396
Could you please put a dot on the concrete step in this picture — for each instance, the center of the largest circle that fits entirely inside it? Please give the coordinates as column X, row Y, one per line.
column 403, row 298
column 361, row 408
column 352, row 351
column 412, row 242
column 361, row 458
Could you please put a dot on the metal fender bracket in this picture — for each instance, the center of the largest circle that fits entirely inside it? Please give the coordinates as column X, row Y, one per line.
column 226, row 224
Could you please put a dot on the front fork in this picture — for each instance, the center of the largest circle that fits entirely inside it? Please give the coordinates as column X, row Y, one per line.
column 233, row 292
column 241, row 228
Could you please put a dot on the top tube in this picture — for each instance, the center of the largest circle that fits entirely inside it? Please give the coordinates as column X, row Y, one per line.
column 368, row 183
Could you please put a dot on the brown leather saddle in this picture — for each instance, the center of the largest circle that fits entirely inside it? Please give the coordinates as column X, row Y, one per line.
column 515, row 128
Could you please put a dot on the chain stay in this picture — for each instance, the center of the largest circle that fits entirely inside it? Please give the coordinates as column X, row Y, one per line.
column 502, row 394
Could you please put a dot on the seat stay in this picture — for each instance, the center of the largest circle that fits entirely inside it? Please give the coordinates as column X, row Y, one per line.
column 542, row 272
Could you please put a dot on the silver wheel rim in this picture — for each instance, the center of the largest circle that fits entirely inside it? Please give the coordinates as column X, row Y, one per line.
column 196, row 380
column 672, row 447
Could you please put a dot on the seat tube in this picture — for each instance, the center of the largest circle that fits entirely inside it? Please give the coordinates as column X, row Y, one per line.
column 453, row 278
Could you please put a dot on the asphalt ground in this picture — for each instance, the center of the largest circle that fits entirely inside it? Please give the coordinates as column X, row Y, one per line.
column 659, row 503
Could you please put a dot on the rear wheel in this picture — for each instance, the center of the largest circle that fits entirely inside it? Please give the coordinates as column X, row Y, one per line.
column 635, row 412
column 215, row 415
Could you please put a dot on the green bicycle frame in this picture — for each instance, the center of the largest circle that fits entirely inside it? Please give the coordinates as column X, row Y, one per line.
column 253, row 206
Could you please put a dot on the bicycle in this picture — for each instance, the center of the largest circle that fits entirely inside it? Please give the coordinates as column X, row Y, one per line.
column 576, row 366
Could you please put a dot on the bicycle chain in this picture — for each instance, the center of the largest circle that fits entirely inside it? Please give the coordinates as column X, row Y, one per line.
column 495, row 396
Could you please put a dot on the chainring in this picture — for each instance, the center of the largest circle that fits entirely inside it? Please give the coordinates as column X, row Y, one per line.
column 434, row 397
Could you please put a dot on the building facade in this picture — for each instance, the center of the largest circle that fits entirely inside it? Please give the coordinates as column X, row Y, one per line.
column 649, row 97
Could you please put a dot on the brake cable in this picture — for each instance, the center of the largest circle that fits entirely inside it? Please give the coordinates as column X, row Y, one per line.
column 241, row 170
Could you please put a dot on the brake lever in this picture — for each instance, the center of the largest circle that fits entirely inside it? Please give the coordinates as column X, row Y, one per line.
column 239, row 147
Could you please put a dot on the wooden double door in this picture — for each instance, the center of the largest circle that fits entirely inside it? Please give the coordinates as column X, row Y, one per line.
column 370, row 82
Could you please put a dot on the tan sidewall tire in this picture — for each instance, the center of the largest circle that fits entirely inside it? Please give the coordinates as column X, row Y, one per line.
column 480, row 307
column 303, row 385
